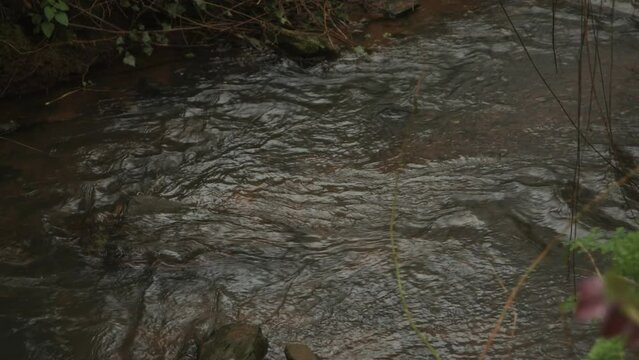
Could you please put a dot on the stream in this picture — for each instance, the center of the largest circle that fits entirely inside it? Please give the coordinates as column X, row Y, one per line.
column 261, row 191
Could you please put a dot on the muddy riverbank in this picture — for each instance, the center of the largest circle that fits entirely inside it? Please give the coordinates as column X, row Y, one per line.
column 46, row 44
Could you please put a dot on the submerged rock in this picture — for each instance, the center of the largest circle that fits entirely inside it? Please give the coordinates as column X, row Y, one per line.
column 395, row 8
column 389, row 9
column 189, row 351
column 8, row 127
column 169, row 256
column 303, row 43
column 235, row 342
column 294, row 351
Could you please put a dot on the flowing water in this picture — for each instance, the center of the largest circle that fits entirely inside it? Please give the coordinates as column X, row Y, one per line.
column 262, row 192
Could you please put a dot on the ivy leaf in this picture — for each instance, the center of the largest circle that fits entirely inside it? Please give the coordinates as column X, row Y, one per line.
column 129, row 59
column 49, row 12
column 47, row 28
column 119, row 41
column 62, row 18
column 146, row 39
column 60, row 5
column 148, row 50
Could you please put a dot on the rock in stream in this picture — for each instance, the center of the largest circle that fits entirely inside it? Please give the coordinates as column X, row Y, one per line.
column 235, row 342
column 296, row 351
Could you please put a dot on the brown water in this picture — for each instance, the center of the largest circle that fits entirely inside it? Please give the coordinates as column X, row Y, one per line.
column 262, row 191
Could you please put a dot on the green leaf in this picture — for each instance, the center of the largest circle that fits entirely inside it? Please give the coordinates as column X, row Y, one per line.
column 624, row 247
column 47, row 28
column 62, row 18
column 200, row 3
column 60, row 5
column 607, row 349
column 148, row 50
column 146, row 38
column 359, row 50
column 625, row 293
column 49, row 12
column 160, row 38
column 174, row 9
column 568, row 305
column 281, row 16
column 129, row 59
column 119, row 41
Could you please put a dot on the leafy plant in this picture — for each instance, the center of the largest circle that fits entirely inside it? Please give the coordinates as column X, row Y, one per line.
column 613, row 298
column 607, row 349
column 53, row 12
column 568, row 305
column 140, row 40
column 622, row 249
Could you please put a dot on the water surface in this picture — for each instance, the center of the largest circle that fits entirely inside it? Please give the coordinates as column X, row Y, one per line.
column 261, row 191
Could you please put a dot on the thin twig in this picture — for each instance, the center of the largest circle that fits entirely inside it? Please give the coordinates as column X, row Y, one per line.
column 22, row 144
column 542, row 255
